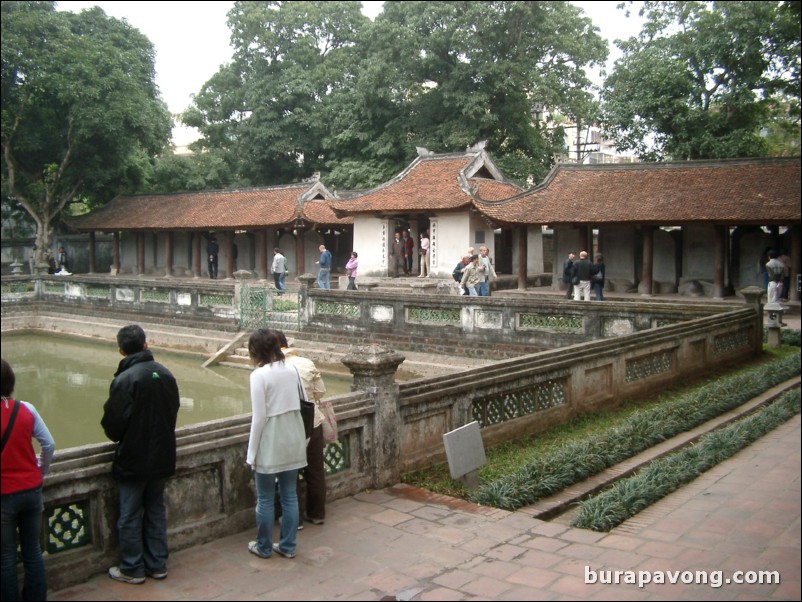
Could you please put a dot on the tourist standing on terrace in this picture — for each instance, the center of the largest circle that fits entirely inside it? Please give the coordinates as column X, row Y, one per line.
column 21, row 483
column 489, row 272
column 324, row 275
column 582, row 272
column 568, row 265
column 424, row 254
column 350, row 270
column 277, row 443
column 140, row 417
column 212, row 252
column 472, row 276
column 312, row 490
column 398, row 251
column 279, row 269
column 598, row 276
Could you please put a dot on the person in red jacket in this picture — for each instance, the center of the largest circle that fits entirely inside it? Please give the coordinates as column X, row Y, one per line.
column 21, row 488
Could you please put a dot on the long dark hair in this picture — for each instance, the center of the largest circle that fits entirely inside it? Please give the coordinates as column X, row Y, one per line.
column 264, row 347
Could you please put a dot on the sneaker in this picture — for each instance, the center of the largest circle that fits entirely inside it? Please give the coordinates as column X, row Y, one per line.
column 279, row 551
column 314, row 521
column 116, row 574
column 156, row 574
column 253, row 548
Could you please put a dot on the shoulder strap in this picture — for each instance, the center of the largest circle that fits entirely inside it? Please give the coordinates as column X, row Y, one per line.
column 10, row 425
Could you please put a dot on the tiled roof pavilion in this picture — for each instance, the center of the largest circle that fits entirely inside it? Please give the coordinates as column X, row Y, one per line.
column 449, row 182
column 216, row 210
column 737, row 191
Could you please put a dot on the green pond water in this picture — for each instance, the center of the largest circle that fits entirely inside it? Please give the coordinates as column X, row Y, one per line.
column 67, row 380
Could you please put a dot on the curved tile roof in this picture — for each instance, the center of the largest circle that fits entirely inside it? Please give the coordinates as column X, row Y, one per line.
column 431, row 183
column 742, row 191
column 220, row 209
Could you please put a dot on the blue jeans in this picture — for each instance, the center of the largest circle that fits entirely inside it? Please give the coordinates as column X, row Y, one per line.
column 142, row 527
column 597, row 289
column 265, row 510
column 324, row 278
column 281, row 278
column 22, row 513
column 472, row 291
column 483, row 288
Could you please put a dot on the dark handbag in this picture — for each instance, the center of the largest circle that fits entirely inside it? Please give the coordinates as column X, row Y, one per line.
column 307, row 410
column 575, row 280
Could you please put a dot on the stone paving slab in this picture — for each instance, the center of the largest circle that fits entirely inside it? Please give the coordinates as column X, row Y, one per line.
column 403, row 543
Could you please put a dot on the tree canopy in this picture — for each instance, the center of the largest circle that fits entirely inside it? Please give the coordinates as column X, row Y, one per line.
column 81, row 113
column 707, row 80
column 316, row 86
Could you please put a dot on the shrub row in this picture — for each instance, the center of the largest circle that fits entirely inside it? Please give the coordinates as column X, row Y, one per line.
column 627, row 497
column 579, row 460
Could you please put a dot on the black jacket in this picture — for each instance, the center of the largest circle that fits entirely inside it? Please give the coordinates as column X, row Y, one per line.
column 582, row 269
column 140, row 416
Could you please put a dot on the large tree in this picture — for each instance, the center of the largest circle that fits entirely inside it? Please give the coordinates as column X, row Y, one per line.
column 267, row 107
column 706, row 80
column 315, row 86
column 81, row 114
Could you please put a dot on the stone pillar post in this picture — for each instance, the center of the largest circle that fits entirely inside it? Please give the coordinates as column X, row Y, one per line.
column 115, row 266
column 373, row 368
column 91, row 252
column 753, row 296
column 168, row 254
column 196, row 254
column 304, row 308
column 140, row 253
column 645, row 287
column 521, row 252
column 719, row 261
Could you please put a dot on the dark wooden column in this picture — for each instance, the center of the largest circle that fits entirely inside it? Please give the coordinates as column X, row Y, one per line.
column 140, row 253
column 196, row 254
column 299, row 253
column 168, row 254
column 229, row 255
column 521, row 252
column 719, row 261
column 261, row 238
column 116, row 254
column 793, row 294
column 91, row 252
column 585, row 241
column 646, row 287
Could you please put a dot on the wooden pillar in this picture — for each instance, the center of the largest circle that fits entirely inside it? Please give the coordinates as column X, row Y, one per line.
column 91, row 252
column 299, row 253
column 140, row 253
column 585, row 241
column 229, row 255
column 521, row 252
column 168, row 254
column 646, row 286
column 261, row 238
column 196, row 254
column 115, row 267
column 793, row 294
column 719, row 261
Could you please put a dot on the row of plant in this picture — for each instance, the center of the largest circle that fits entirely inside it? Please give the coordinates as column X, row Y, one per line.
column 627, row 497
column 580, row 459
column 787, row 337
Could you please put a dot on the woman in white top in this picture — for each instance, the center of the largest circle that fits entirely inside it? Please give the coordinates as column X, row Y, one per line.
column 277, row 444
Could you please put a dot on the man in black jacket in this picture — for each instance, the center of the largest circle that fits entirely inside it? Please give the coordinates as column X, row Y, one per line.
column 568, row 265
column 582, row 272
column 140, row 416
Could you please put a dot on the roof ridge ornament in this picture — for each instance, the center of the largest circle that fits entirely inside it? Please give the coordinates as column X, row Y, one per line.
column 479, row 146
column 423, row 151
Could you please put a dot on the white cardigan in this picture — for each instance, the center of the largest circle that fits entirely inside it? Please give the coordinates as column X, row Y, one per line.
column 277, row 441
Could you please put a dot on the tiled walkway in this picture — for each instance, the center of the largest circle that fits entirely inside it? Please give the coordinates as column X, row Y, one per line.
column 404, row 543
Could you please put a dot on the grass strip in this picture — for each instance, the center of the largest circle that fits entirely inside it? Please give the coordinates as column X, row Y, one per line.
column 578, row 460
column 627, row 497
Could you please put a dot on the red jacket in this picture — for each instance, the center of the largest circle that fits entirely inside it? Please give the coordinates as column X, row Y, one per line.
column 20, row 469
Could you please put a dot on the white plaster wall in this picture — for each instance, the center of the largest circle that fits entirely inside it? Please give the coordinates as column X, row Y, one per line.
column 451, row 237
column 372, row 238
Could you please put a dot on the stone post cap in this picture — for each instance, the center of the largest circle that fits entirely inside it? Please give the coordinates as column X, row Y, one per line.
column 373, row 357
column 306, row 279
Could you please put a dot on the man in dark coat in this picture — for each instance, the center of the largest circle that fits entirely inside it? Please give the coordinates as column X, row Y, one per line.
column 140, row 416
column 568, row 265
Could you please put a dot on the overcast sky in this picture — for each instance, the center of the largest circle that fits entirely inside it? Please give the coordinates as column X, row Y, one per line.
column 192, row 40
